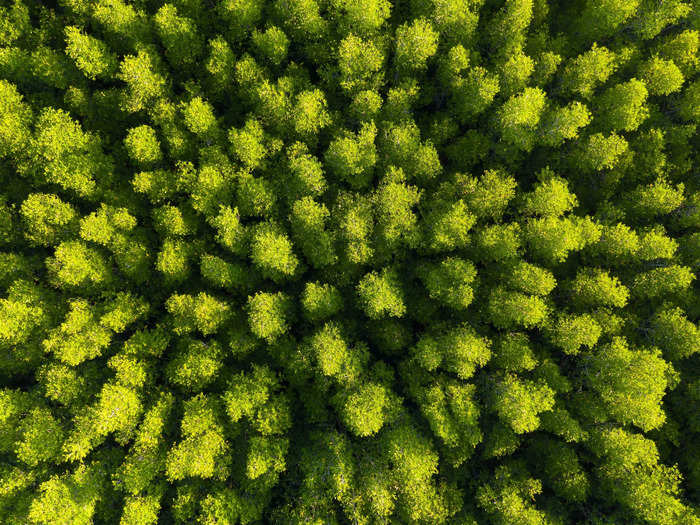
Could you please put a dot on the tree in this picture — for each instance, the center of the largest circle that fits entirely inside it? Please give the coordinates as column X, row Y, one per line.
column 449, row 226
column 320, row 301
column 415, row 44
column 107, row 225
column 551, row 239
column 508, row 497
column 475, row 92
column 195, row 365
column 509, row 25
column 404, row 150
column 91, row 55
column 355, row 224
column 517, row 119
column 231, row 234
column 173, row 221
column 519, row 401
column 529, row 278
column 450, row 282
column 546, row 67
column 178, row 35
column 41, row 437
column 272, row 44
column 266, row 455
column 16, row 23
column 256, row 397
column 310, row 113
column 146, row 458
column 583, row 74
column 571, row 332
column 549, row 197
column 201, row 312
column 595, row 287
column 488, row 196
column 199, row 117
column 381, row 295
column 515, row 73
column 618, row 243
column 561, row 124
column 307, row 172
column 455, row 21
column 363, row 411
column 352, row 157
column 123, row 24
column 141, row 510
column 51, row 68
column 122, row 310
column 66, row 155
column 453, row 416
column 689, row 102
column 220, row 64
column 240, row 16
column 606, row 16
column 118, row 409
column 76, row 493
column 301, row 18
column 681, row 49
column 202, row 451
column 359, row 62
column 631, row 467
column 499, row 242
column 174, row 260
column 145, row 84
column 661, row 76
column 308, row 220
column 48, row 220
column 459, row 351
column 415, row 463
column 513, row 353
column 271, row 252
column 364, row 17
column 143, row 146
column 602, row 152
column 658, row 198
column 248, row 144
column 654, row 244
column 397, row 223
column 677, row 336
column 631, row 383
column 333, row 356
column 621, row 107
column 652, row 18
column 79, row 337
column 75, row 265
column 268, row 315
column 15, row 119
column 563, row 470
column 365, row 105
column 509, row 309
column 662, row 281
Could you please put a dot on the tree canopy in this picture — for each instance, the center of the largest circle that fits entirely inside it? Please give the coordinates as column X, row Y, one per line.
column 335, row 262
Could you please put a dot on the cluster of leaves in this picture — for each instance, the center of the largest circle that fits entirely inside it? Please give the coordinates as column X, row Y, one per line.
column 349, row 261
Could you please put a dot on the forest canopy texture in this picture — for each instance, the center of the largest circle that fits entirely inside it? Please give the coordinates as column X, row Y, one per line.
column 349, row 262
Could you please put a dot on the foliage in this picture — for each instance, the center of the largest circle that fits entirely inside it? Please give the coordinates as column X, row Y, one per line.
column 349, row 261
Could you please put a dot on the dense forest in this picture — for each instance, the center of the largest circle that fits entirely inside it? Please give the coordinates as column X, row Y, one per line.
column 349, row 262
